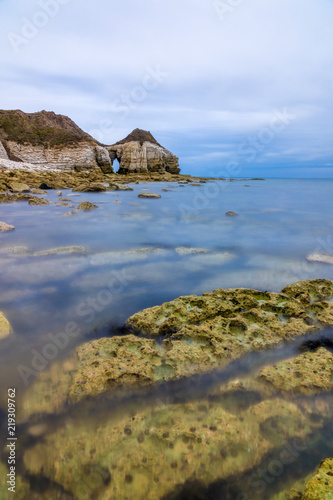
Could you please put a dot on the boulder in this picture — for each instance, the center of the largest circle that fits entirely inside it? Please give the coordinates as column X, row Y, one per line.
column 86, row 206
column 19, row 187
column 231, row 214
column 44, row 186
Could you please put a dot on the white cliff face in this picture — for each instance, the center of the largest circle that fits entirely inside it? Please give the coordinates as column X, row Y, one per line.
column 148, row 157
column 3, row 153
column 81, row 156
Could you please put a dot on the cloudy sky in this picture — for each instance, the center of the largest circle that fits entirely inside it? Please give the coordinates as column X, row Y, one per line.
column 239, row 87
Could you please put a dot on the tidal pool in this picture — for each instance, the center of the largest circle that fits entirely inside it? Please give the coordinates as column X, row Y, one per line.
column 137, row 254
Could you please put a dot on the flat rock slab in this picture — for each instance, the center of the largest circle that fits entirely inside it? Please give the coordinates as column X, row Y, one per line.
column 94, row 187
column 38, row 191
column 149, row 195
column 19, row 187
column 60, row 251
column 5, row 227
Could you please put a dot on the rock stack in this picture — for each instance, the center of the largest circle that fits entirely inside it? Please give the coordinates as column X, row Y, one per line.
column 139, row 152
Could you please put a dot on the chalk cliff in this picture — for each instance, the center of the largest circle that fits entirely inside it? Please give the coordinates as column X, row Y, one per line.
column 54, row 141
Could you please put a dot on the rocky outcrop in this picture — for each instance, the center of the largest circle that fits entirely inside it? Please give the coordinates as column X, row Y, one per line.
column 51, row 140
column 45, row 139
column 139, row 152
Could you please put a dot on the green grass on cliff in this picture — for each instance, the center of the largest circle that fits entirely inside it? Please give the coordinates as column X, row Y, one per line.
column 43, row 128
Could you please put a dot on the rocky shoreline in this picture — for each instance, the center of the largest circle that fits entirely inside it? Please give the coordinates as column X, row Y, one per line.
column 147, row 452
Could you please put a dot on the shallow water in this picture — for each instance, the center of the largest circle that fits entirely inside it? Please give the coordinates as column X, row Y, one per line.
column 280, row 222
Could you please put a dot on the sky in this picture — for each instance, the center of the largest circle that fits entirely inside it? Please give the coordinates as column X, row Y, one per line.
column 235, row 88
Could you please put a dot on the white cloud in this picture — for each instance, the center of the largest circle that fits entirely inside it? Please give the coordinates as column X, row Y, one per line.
column 221, row 79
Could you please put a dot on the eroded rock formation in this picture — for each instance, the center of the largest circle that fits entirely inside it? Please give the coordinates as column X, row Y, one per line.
column 139, row 152
column 45, row 139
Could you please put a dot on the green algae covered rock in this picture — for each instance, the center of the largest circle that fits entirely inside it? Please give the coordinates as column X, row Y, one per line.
column 248, row 313
column 86, row 206
column 34, row 200
column 5, row 328
column 308, row 373
column 320, row 487
column 90, row 187
column 208, row 332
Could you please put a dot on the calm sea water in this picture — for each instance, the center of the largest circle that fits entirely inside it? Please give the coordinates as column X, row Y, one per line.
column 265, row 247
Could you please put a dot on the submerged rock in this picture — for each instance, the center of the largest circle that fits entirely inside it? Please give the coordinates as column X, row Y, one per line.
column 86, row 206
column 5, row 328
column 14, row 250
column 320, row 257
column 149, row 447
column 61, row 251
column 231, row 214
column 64, row 204
column 151, row 453
column 149, row 195
column 71, row 212
column 190, row 250
column 4, row 227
